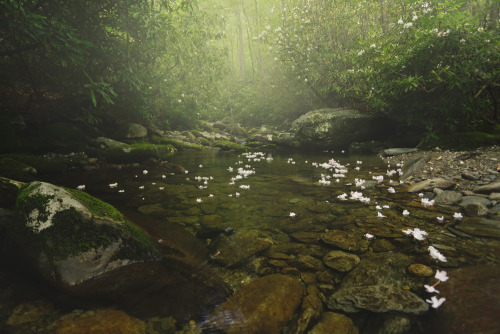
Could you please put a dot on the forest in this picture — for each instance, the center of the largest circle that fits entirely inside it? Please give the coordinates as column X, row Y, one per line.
column 172, row 64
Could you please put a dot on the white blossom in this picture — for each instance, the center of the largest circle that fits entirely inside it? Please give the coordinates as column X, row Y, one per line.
column 435, row 302
column 441, row 275
column 430, row 289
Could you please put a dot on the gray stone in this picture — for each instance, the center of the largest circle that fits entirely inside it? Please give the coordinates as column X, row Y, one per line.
column 398, row 151
column 448, row 197
column 467, row 200
column 481, row 227
column 74, row 237
column 476, row 210
column 429, row 185
column 337, row 128
column 494, row 197
column 110, row 143
column 488, row 188
column 136, row 131
column 377, row 298
column 341, row 261
column 413, row 166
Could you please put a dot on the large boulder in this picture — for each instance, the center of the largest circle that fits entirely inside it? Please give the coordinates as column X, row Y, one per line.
column 338, row 128
column 69, row 237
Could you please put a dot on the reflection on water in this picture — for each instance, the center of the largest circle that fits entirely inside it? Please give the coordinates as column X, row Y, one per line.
column 243, row 216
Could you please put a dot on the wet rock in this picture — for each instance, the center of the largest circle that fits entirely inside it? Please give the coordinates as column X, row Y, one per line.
column 395, row 324
column 110, row 143
column 305, row 224
column 73, row 236
column 383, row 245
column 100, row 321
column 340, row 261
column 334, row 323
column 471, row 177
column 494, row 197
column 377, row 298
column 488, row 188
column 136, row 131
column 448, row 197
column 9, row 189
column 139, row 152
column 153, row 209
column 337, row 128
column 311, row 309
column 211, row 225
column 307, row 262
column 29, row 313
column 480, row 227
column 306, row 237
column 265, row 305
column 236, row 249
column 17, row 170
column 429, row 185
column 418, row 269
column 380, row 269
column 472, row 304
column 476, row 210
column 318, row 207
column 345, row 241
column 398, row 151
column 467, row 200
column 413, row 167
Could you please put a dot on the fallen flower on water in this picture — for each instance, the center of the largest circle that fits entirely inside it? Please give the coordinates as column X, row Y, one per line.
column 380, row 215
column 430, row 289
column 457, row 216
column 435, row 302
column 292, row 214
column 440, row 219
column 441, row 275
column 369, row 236
column 435, row 254
column 406, row 213
column 81, row 187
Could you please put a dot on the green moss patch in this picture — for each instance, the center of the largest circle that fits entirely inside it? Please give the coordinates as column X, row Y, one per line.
column 178, row 144
column 230, row 146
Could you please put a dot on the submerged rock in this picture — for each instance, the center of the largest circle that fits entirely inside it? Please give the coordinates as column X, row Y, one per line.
column 265, row 305
column 334, row 323
column 235, row 249
column 69, row 237
column 377, row 298
column 345, row 241
column 341, row 261
column 481, row 227
column 99, row 321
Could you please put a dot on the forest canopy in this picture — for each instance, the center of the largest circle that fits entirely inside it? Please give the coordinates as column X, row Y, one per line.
column 170, row 64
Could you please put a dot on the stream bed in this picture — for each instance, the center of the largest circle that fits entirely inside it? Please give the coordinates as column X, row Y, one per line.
column 341, row 224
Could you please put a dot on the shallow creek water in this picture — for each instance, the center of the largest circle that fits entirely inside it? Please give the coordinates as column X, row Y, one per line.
column 290, row 200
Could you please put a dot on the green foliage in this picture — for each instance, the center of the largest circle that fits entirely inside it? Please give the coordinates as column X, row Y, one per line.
column 432, row 66
column 129, row 59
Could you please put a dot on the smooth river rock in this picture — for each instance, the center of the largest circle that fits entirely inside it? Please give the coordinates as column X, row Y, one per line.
column 341, row 261
column 334, row 323
column 377, row 298
column 265, row 305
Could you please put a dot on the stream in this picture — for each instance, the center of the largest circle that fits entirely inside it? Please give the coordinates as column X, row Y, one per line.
column 290, row 203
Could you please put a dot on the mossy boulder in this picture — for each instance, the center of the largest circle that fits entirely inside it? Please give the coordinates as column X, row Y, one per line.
column 178, row 144
column 68, row 237
column 230, row 146
column 338, row 128
column 138, row 153
column 15, row 169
